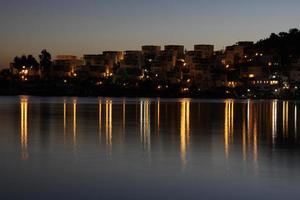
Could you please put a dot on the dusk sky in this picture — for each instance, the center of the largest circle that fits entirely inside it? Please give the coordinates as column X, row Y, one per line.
column 90, row 26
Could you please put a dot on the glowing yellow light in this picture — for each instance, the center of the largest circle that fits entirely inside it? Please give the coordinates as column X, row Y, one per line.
column 185, row 89
column 145, row 128
column 108, row 123
column 228, row 125
column 251, row 75
column 285, row 118
column 74, row 122
column 184, row 130
column 24, row 127
column 100, row 118
column 274, row 120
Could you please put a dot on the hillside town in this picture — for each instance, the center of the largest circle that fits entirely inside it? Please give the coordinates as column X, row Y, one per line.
column 269, row 68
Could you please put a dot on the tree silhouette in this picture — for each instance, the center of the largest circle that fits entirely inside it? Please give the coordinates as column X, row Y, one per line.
column 294, row 31
column 45, row 60
column 25, row 61
column 17, row 63
column 31, row 62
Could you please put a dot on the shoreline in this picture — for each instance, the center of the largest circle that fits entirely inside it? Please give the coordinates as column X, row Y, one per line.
column 82, row 89
column 152, row 96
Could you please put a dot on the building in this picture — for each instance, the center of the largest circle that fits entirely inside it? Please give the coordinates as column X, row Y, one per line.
column 151, row 50
column 114, row 56
column 179, row 49
column 93, row 60
column 128, row 76
column 207, row 51
column 103, row 65
column 252, row 71
column 173, row 53
column 132, row 59
column 200, row 67
column 235, row 54
column 66, row 65
column 193, row 59
column 150, row 54
column 294, row 75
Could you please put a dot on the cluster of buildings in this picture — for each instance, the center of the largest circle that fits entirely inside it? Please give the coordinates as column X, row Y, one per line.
column 237, row 66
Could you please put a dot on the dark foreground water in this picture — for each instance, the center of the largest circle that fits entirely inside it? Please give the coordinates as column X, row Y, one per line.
column 90, row 148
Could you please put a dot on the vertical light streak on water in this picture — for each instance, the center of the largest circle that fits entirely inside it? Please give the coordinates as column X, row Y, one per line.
column 188, row 121
column 183, row 142
column 158, row 116
column 244, row 133
column 124, row 116
column 141, row 120
column 255, row 143
column 65, row 119
column 249, row 121
column 24, row 128
column 274, row 120
column 108, row 125
column 285, row 118
column 100, row 119
column 296, row 119
column 226, row 130
column 145, row 127
column 75, row 123
column 106, row 122
column 228, row 126
column 184, row 131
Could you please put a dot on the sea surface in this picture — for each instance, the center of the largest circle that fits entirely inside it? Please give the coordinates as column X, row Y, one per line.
column 127, row 148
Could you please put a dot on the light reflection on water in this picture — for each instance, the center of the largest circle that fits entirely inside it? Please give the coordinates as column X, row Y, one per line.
column 24, row 127
column 198, row 146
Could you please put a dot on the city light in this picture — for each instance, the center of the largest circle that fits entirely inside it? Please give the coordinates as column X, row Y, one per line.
column 227, row 70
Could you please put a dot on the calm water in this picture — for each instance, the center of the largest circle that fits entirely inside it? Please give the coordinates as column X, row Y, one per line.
column 90, row 148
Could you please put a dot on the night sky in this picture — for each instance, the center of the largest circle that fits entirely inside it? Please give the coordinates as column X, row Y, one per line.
column 91, row 26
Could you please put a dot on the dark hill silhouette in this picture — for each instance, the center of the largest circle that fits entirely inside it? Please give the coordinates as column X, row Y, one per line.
column 285, row 45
